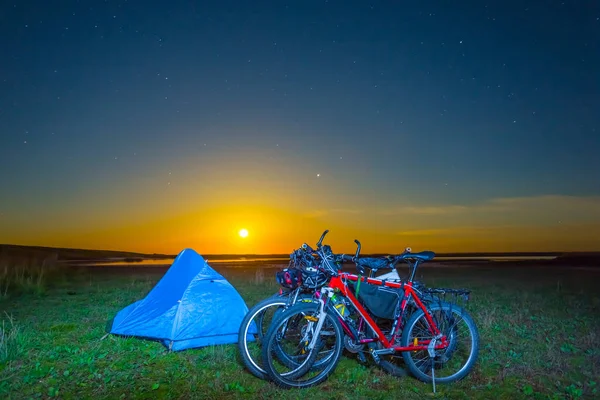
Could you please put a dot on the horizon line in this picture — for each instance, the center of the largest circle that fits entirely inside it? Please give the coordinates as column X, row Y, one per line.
column 440, row 254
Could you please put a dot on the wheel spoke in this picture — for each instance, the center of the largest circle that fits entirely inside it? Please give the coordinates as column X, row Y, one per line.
column 450, row 363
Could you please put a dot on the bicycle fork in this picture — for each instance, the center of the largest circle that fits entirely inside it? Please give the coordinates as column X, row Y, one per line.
column 321, row 318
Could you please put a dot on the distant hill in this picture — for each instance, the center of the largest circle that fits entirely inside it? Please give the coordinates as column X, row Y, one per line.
column 67, row 254
column 581, row 258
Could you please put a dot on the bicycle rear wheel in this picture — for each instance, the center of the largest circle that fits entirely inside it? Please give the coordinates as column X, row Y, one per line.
column 394, row 364
column 452, row 363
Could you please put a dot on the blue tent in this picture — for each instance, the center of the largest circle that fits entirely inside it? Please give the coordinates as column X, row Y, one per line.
column 191, row 306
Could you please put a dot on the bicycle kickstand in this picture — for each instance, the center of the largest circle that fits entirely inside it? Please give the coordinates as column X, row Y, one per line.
column 431, row 351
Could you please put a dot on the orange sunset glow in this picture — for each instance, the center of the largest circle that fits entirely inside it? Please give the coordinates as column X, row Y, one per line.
column 156, row 148
column 547, row 223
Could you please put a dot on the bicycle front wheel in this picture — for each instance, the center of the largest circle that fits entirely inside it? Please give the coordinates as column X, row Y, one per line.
column 288, row 339
column 455, row 361
column 253, row 328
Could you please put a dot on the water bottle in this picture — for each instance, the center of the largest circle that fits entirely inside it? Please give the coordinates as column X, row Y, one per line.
column 339, row 304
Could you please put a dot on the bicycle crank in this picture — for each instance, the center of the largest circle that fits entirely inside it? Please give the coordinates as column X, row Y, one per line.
column 351, row 345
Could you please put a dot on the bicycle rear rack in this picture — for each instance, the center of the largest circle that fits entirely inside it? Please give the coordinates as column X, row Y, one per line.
column 463, row 294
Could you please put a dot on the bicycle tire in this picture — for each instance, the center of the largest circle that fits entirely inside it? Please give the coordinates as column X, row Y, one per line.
column 249, row 362
column 288, row 380
column 472, row 359
column 387, row 363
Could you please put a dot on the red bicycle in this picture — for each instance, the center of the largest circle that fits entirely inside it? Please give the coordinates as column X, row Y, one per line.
column 386, row 319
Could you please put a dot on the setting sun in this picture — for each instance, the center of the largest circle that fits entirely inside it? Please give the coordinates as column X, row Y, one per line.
column 243, row 233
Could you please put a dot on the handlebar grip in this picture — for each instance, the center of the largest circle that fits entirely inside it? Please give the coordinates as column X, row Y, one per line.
column 354, row 259
column 320, row 242
column 307, row 248
column 357, row 247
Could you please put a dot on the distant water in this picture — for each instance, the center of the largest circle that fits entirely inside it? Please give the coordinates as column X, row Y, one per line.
column 282, row 260
column 500, row 258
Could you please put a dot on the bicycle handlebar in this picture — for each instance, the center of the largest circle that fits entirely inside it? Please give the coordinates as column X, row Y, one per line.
column 344, row 257
column 320, row 242
column 361, row 263
column 307, row 248
column 373, row 263
column 381, row 262
column 357, row 248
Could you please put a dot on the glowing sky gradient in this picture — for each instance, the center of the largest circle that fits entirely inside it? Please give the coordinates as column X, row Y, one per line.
column 156, row 126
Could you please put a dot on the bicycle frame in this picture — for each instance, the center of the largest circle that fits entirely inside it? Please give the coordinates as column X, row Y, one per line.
column 338, row 282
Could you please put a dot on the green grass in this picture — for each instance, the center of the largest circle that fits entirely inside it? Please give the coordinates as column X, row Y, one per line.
column 539, row 330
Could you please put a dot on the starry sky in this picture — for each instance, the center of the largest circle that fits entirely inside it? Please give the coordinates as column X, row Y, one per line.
column 155, row 126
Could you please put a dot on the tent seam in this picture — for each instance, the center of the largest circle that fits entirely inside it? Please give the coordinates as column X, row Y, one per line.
column 146, row 297
column 176, row 324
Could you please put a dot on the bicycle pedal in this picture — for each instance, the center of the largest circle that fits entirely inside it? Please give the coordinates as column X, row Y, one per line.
column 375, row 356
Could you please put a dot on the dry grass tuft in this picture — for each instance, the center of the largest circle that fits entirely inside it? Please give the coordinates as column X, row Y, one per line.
column 9, row 339
column 25, row 272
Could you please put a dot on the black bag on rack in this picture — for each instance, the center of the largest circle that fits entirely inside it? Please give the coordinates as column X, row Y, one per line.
column 381, row 301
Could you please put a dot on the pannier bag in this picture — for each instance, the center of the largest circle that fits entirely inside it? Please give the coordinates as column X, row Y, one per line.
column 381, row 301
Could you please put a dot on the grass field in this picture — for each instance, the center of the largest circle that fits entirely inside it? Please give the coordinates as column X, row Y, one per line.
column 539, row 330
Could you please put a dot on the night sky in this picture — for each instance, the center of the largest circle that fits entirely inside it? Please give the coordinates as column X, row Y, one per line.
column 159, row 125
